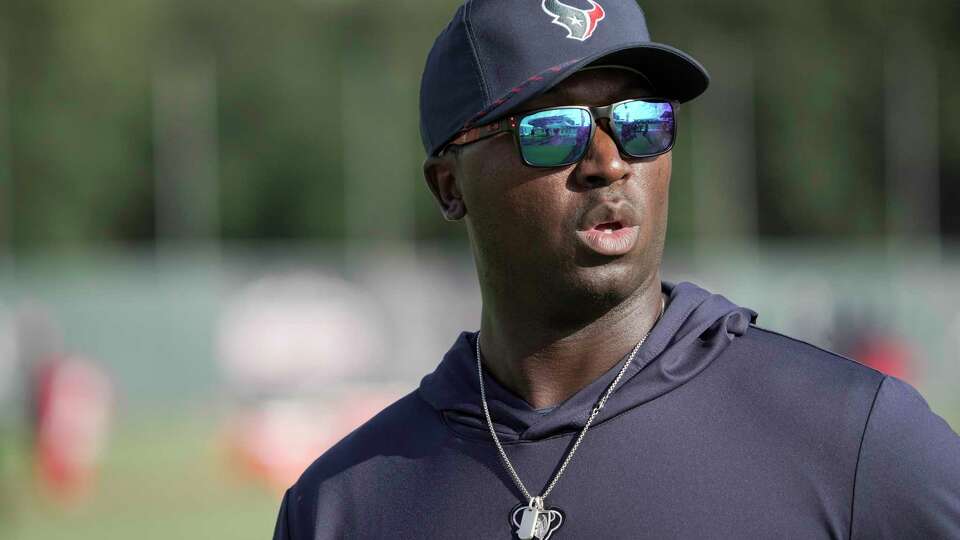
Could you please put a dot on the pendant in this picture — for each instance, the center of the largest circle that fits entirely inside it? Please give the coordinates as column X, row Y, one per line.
column 535, row 522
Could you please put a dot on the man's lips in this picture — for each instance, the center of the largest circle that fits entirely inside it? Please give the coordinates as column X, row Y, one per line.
column 609, row 228
column 610, row 238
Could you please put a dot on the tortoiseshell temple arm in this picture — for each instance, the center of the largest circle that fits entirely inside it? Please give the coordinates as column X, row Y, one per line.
column 482, row 132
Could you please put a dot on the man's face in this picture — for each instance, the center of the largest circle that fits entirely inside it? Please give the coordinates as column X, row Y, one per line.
column 535, row 232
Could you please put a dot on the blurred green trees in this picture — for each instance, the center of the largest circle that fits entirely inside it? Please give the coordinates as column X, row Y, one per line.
column 314, row 111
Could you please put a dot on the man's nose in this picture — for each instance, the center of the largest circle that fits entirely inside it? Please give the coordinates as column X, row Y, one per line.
column 602, row 164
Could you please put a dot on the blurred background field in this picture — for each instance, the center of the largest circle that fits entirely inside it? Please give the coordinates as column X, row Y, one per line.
column 218, row 208
column 161, row 478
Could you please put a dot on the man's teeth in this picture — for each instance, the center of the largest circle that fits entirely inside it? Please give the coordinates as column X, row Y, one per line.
column 607, row 228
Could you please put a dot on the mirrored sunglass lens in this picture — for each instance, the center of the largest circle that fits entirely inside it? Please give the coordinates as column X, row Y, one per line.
column 644, row 127
column 555, row 137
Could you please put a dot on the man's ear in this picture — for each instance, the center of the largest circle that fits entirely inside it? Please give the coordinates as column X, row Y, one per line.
column 440, row 174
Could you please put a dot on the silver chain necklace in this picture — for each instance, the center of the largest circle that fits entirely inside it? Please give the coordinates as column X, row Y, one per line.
column 535, row 520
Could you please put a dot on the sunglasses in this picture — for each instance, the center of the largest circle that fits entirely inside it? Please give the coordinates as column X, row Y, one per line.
column 559, row 136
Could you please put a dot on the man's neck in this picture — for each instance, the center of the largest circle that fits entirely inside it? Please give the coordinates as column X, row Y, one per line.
column 545, row 365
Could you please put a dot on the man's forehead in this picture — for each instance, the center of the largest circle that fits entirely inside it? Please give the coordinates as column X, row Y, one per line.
column 594, row 86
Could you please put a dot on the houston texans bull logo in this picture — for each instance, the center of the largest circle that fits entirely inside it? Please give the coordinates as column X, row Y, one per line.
column 580, row 23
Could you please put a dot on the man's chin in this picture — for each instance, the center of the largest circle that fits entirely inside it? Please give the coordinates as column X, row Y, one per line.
column 592, row 260
column 604, row 286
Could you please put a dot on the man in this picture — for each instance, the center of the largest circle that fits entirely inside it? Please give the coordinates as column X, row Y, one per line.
column 597, row 400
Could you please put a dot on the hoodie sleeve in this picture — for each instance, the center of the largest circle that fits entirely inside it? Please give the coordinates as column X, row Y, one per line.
column 282, row 529
column 907, row 483
column 296, row 519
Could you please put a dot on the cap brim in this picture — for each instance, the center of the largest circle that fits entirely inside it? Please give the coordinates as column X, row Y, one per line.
column 673, row 73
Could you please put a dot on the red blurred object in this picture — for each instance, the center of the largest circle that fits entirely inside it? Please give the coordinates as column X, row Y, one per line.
column 275, row 441
column 886, row 354
column 73, row 401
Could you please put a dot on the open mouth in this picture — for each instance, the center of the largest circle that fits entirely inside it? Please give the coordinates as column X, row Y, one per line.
column 609, row 227
column 610, row 238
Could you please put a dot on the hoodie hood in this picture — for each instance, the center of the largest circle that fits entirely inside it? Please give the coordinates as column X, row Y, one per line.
column 695, row 328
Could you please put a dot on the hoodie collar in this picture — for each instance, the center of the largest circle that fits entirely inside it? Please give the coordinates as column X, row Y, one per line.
column 693, row 330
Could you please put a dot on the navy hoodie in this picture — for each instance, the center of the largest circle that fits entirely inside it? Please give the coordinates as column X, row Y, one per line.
column 719, row 429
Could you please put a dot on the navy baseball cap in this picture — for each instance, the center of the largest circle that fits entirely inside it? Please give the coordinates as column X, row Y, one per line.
column 496, row 54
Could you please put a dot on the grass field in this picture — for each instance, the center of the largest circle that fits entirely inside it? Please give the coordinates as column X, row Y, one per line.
column 548, row 153
column 161, row 479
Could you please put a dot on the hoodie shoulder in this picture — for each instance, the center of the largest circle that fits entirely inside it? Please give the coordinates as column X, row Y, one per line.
column 798, row 357
column 341, row 480
column 402, row 428
column 908, row 474
column 822, row 396
column 906, row 478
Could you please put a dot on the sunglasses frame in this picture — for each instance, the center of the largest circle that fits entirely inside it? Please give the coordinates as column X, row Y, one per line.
column 510, row 123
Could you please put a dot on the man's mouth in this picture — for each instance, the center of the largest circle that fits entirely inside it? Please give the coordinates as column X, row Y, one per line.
column 609, row 227
column 610, row 238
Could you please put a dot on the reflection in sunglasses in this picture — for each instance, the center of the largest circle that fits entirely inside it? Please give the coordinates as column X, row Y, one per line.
column 559, row 136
